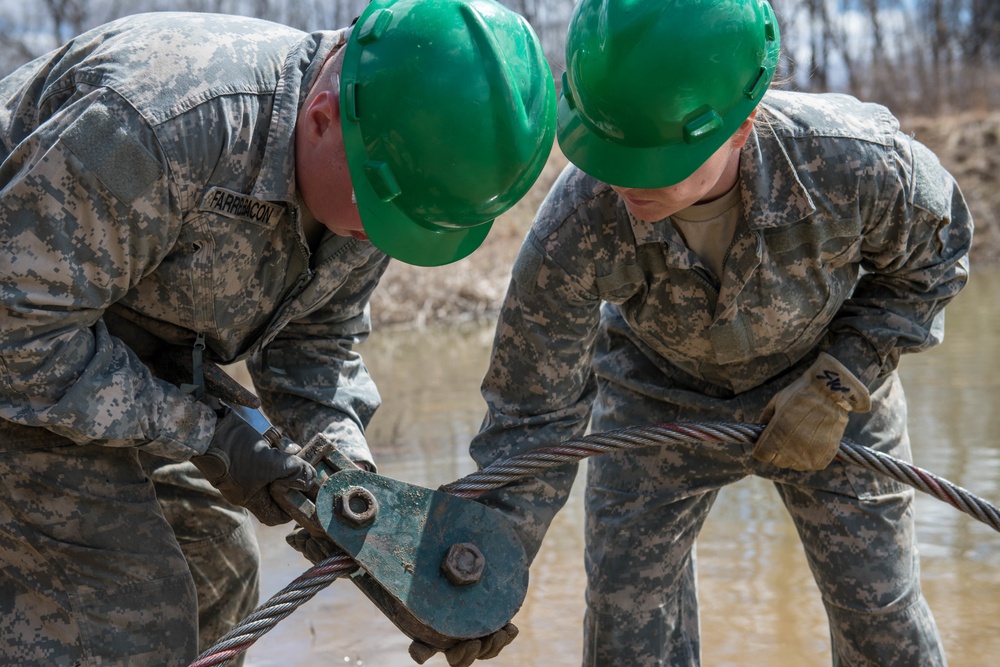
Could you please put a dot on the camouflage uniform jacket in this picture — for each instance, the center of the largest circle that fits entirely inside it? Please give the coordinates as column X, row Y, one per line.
column 147, row 179
column 852, row 239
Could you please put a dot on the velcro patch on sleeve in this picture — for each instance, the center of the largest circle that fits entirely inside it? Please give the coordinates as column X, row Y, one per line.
column 244, row 207
column 123, row 165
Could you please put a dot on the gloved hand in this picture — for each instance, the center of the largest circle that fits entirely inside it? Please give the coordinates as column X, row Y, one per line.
column 465, row 653
column 806, row 419
column 242, row 465
column 313, row 548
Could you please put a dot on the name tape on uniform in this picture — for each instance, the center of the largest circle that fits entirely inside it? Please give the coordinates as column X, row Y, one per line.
column 236, row 205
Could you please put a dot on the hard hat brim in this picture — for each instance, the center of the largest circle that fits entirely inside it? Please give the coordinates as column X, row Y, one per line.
column 399, row 237
column 635, row 166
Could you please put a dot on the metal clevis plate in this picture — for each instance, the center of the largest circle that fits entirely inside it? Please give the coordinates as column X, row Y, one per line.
column 400, row 548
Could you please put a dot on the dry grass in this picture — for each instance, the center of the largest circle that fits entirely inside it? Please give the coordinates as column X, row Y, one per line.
column 968, row 145
column 472, row 289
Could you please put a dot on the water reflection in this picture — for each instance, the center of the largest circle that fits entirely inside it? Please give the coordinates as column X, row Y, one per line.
column 759, row 604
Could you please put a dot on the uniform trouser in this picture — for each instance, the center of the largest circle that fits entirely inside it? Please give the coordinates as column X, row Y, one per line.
column 645, row 508
column 109, row 557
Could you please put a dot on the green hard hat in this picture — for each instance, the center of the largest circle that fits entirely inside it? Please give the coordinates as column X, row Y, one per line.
column 448, row 114
column 654, row 87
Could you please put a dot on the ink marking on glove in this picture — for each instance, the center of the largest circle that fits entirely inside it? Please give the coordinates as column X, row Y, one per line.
column 832, row 379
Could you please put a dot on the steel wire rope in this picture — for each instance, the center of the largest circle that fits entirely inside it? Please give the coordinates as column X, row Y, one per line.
column 278, row 607
column 506, row 471
column 510, row 470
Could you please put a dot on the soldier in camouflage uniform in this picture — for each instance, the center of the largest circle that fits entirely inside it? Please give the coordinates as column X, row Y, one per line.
column 212, row 182
column 715, row 253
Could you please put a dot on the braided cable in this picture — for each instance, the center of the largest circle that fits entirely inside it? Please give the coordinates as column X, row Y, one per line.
column 281, row 604
column 517, row 467
column 922, row 480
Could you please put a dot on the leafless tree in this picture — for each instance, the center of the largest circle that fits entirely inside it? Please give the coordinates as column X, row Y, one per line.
column 920, row 56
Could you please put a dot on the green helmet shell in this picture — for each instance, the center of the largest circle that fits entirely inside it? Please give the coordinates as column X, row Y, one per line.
column 654, row 87
column 448, row 115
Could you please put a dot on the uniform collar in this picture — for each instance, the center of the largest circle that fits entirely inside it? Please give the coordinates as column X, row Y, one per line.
column 773, row 195
column 661, row 232
column 302, row 66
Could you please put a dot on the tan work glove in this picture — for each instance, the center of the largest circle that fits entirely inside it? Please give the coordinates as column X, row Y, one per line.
column 806, row 419
column 465, row 653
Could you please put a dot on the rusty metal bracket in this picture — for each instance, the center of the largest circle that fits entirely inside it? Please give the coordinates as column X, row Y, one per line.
column 323, row 455
column 442, row 568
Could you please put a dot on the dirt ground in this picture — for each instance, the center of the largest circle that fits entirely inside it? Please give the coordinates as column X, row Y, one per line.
column 967, row 144
column 472, row 289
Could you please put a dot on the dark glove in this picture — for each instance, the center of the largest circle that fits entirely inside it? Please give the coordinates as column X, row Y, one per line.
column 242, row 465
column 467, row 652
column 806, row 419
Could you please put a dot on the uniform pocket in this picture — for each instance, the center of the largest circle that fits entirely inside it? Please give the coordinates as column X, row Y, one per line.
column 807, row 272
column 883, row 429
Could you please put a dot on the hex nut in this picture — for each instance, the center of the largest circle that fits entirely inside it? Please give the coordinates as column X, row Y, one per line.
column 357, row 506
column 463, row 564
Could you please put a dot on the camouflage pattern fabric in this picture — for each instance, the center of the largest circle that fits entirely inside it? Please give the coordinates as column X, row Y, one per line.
column 92, row 573
column 148, row 170
column 852, row 240
column 113, row 559
column 218, row 542
column 148, row 198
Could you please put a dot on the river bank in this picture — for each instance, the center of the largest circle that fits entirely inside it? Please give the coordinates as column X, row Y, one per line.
column 472, row 289
column 759, row 605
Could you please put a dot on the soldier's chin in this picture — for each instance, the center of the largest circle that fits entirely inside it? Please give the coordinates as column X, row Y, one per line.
column 353, row 233
column 647, row 211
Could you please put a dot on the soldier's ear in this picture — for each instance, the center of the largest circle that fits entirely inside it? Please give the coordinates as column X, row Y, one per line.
column 322, row 115
column 743, row 133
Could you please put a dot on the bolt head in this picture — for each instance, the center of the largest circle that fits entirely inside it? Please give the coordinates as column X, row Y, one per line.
column 463, row 564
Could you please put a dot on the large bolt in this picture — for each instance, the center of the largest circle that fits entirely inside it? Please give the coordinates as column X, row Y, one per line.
column 357, row 506
column 463, row 564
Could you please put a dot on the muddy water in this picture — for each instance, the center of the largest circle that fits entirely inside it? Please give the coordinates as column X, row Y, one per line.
column 759, row 605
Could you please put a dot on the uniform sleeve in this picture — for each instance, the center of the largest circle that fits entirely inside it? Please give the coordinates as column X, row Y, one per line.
column 311, row 379
column 84, row 212
column 539, row 387
column 915, row 260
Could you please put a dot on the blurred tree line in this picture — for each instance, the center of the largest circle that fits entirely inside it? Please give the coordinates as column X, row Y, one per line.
column 924, row 57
